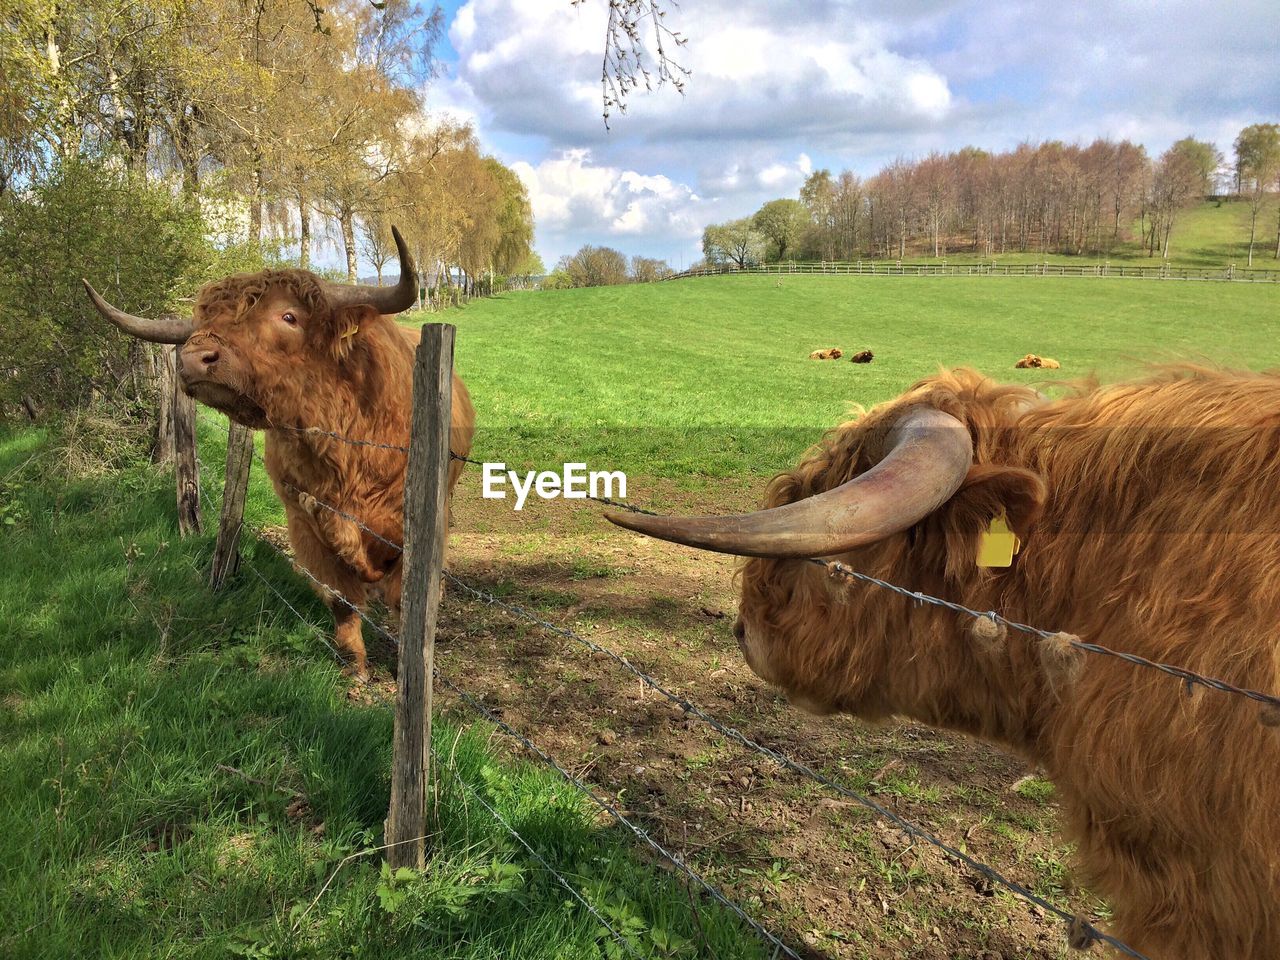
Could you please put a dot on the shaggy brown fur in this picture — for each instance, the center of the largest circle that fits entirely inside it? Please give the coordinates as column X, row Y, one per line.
column 349, row 372
column 1032, row 361
column 831, row 353
column 862, row 356
column 1149, row 517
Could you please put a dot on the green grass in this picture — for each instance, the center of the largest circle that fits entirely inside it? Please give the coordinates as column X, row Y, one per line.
column 182, row 772
column 709, row 378
column 127, row 689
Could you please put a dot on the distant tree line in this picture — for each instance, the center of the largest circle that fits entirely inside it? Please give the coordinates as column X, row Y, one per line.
column 1047, row 197
column 594, row 266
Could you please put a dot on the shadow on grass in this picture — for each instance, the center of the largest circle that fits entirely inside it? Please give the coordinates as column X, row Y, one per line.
column 183, row 770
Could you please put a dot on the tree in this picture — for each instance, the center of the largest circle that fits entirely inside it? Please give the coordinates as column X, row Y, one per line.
column 376, row 242
column 626, row 58
column 648, row 269
column 1174, row 184
column 818, row 194
column 782, row 222
column 1257, row 168
column 141, row 245
column 737, row 241
column 1204, row 159
column 594, row 267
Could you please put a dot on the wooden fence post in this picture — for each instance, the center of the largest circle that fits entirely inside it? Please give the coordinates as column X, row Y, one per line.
column 426, row 523
column 167, row 385
column 186, row 469
column 226, row 552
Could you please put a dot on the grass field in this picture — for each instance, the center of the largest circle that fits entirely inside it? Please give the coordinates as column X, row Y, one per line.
column 183, row 771
column 710, row 377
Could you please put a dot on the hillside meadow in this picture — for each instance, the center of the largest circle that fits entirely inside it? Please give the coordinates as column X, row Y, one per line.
column 183, row 772
column 698, row 380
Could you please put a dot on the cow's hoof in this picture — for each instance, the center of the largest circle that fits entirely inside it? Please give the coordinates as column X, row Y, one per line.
column 356, row 671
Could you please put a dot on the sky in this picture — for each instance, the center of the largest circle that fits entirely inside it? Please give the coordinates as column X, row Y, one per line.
column 779, row 88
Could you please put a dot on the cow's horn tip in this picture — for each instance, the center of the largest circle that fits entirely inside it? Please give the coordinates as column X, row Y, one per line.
column 628, row 520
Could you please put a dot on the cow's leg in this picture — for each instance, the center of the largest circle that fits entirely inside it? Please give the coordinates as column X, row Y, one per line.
column 342, row 536
column 347, row 590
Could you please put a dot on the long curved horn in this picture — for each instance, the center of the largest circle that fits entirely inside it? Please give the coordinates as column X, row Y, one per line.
column 167, row 329
column 385, row 300
column 930, row 453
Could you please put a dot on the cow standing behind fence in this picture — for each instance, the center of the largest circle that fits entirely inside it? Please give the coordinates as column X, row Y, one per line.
column 284, row 351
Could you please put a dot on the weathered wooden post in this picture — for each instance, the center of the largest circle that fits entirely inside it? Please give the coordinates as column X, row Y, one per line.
column 425, row 528
column 167, row 385
column 226, row 552
column 186, row 469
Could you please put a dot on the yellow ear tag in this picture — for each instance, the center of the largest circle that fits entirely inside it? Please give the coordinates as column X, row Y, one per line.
column 351, row 332
column 998, row 544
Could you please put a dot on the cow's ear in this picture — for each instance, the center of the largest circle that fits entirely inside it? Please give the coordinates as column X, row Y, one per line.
column 349, row 324
column 988, row 491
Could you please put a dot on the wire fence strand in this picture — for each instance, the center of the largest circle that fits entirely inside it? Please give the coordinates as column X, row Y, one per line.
column 1084, row 929
column 638, row 832
column 1190, row 678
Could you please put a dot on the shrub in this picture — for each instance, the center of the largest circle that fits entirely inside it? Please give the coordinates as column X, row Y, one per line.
column 140, row 245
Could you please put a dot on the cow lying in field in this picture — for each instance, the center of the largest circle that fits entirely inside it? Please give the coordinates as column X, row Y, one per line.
column 1033, row 362
column 1150, row 522
column 830, row 353
column 280, row 350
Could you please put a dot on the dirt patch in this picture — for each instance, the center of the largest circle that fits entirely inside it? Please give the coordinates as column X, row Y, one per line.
column 819, row 869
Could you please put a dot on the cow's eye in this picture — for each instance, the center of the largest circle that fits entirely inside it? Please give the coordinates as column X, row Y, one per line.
column 289, row 318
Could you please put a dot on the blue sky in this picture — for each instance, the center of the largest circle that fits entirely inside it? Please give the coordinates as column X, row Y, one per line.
column 780, row 88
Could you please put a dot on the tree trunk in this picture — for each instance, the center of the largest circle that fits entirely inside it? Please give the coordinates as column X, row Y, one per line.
column 349, row 242
column 1253, row 223
column 304, row 232
column 186, row 470
column 255, row 203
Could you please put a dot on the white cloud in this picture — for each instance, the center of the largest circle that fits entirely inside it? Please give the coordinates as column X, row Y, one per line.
column 757, row 72
column 778, row 89
column 571, row 196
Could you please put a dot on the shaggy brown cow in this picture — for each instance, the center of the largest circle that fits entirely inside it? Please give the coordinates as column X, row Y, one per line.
column 1149, row 520
column 830, row 353
column 280, row 350
column 862, row 356
column 1032, row 361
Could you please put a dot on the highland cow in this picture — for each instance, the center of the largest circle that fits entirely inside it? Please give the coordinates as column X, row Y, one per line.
column 283, row 351
column 1149, row 524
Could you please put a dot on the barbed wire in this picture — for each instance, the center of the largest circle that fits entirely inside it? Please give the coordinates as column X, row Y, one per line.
column 639, row 832
column 489, row 715
column 1082, row 929
column 317, row 431
column 560, row 878
column 1189, row 677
